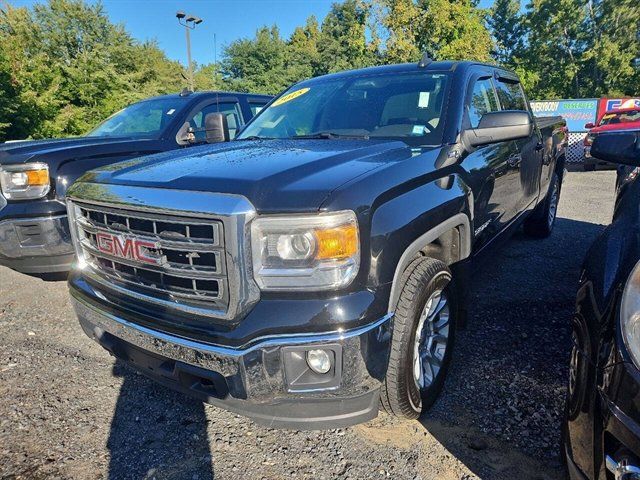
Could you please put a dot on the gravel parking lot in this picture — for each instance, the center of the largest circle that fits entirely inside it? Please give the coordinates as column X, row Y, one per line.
column 67, row 410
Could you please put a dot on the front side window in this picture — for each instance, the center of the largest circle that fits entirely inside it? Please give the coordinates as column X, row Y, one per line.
column 230, row 109
column 144, row 119
column 483, row 100
column 511, row 96
column 407, row 107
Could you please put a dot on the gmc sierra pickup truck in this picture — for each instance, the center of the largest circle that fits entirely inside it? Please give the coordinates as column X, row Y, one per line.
column 315, row 268
column 35, row 175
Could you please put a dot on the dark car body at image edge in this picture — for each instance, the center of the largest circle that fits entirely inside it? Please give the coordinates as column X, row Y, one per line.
column 316, row 267
column 602, row 429
column 34, row 233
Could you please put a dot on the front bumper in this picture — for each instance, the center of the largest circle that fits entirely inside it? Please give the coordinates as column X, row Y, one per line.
column 36, row 245
column 255, row 380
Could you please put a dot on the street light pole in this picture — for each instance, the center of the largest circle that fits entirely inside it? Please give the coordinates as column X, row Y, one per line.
column 189, row 22
column 188, row 32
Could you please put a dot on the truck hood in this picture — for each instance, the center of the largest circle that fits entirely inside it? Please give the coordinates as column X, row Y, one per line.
column 56, row 151
column 275, row 175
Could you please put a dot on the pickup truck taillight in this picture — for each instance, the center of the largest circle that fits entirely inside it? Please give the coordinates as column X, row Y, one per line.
column 588, row 140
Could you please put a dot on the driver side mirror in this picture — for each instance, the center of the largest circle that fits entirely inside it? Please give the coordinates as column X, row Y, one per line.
column 216, row 127
column 590, row 125
column 497, row 127
column 621, row 148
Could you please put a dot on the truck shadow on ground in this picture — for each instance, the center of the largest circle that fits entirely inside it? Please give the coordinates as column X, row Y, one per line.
column 504, row 397
column 157, row 433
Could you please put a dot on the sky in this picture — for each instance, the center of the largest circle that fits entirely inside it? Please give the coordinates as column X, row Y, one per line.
column 228, row 20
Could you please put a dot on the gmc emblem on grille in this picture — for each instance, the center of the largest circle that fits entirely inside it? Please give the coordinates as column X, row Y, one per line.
column 129, row 248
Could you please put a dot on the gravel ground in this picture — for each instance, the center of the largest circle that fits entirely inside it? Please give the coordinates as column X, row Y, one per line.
column 67, row 410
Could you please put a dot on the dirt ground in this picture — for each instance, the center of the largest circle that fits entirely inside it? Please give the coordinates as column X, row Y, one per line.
column 68, row 410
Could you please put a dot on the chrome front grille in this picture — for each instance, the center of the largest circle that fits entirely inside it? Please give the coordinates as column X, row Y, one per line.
column 188, row 260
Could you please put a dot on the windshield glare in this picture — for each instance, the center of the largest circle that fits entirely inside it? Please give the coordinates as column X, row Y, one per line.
column 148, row 118
column 407, row 107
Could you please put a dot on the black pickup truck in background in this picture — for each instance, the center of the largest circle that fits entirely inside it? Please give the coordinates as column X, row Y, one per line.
column 35, row 175
column 316, row 267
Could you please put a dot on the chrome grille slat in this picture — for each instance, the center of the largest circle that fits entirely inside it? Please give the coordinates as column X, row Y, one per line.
column 157, row 218
column 164, row 244
column 176, row 293
column 191, row 268
column 200, row 273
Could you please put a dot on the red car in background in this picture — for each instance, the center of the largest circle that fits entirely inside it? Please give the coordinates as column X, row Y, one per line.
column 612, row 120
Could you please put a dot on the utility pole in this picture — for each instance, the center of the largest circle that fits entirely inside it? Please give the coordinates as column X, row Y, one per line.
column 189, row 22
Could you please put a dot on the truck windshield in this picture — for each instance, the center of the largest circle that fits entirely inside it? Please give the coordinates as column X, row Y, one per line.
column 620, row 117
column 144, row 119
column 407, row 107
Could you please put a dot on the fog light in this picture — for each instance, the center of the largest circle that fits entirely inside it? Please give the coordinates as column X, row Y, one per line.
column 319, row 361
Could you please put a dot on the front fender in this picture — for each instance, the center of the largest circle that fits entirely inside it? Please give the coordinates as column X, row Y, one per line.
column 407, row 223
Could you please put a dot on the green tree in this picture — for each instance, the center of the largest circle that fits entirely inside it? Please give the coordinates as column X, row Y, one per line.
column 506, row 24
column 68, row 67
column 445, row 29
column 609, row 62
column 343, row 38
column 257, row 64
column 557, row 40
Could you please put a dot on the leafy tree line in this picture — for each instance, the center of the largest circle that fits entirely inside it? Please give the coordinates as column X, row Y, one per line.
column 64, row 66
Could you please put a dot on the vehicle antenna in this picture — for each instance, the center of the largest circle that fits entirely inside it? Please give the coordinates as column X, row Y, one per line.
column 215, row 72
column 425, row 60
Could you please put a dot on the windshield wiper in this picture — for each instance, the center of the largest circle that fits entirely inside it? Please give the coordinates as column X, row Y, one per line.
column 329, row 136
column 256, row 137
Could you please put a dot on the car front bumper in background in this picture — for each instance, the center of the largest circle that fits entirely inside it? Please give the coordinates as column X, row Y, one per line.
column 265, row 380
column 36, row 245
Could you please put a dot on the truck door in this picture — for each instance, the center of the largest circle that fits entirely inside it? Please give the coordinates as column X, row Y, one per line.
column 494, row 168
column 530, row 154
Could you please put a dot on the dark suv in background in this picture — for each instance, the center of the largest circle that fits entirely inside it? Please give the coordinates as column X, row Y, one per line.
column 35, row 175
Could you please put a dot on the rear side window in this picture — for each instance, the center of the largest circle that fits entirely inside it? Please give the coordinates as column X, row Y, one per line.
column 511, row 96
column 483, row 100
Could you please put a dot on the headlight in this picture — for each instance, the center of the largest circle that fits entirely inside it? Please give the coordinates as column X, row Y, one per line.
column 25, row 182
column 630, row 315
column 305, row 252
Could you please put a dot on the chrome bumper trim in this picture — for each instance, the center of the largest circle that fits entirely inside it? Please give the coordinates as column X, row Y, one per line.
column 35, row 237
column 255, row 371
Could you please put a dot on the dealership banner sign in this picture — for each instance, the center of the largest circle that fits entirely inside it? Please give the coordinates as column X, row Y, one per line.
column 576, row 112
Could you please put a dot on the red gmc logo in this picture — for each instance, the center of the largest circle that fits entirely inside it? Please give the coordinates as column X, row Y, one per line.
column 128, row 248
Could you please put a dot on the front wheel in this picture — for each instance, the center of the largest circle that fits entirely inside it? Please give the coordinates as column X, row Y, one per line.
column 541, row 222
column 423, row 336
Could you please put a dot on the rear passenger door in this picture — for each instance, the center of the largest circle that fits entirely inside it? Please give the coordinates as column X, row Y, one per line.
column 493, row 168
column 529, row 150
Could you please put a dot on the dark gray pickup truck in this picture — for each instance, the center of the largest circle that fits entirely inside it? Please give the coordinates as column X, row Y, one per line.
column 35, row 175
column 316, row 267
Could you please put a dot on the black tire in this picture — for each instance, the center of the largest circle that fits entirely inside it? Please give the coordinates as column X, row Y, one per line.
column 400, row 395
column 541, row 222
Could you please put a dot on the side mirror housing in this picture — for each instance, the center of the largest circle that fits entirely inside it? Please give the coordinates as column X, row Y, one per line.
column 590, row 125
column 623, row 147
column 216, row 127
column 497, row 127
